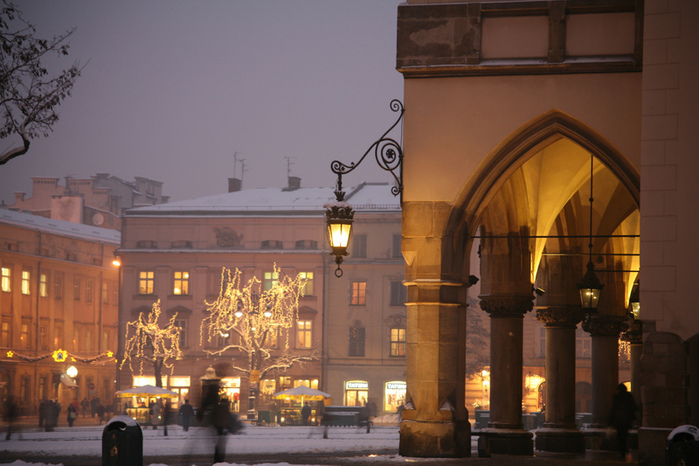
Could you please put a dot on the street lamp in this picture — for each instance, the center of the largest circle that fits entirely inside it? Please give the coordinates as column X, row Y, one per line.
column 339, row 214
column 590, row 286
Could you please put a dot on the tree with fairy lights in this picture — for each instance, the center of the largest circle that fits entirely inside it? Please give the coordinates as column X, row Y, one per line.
column 148, row 342
column 255, row 322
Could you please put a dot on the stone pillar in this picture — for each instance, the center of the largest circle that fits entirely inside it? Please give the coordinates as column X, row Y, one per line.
column 559, row 432
column 434, row 419
column 635, row 338
column 505, row 430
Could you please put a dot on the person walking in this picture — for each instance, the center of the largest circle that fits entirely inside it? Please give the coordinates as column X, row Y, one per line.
column 85, row 405
column 72, row 414
column 221, row 420
column 621, row 416
column 186, row 412
column 166, row 416
column 306, row 414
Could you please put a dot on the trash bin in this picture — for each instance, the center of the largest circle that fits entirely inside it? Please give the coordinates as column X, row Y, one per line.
column 122, row 442
column 682, row 446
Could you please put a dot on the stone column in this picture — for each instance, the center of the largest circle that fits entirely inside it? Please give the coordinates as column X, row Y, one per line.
column 434, row 419
column 634, row 335
column 559, row 432
column 505, row 430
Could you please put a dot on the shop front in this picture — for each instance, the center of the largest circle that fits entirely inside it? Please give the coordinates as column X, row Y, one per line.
column 356, row 392
column 394, row 396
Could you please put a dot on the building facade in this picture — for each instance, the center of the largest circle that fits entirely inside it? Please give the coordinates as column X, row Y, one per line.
column 529, row 126
column 59, row 306
column 175, row 253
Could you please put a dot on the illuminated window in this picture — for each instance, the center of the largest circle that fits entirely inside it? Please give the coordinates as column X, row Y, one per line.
column 145, row 282
column 43, row 285
column 303, row 336
column 271, row 279
column 394, row 395
column 76, row 288
column 6, row 279
column 358, row 293
column 357, row 337
column 24, row 336
column 26, row 280
column 398, row 342
column 58, row 336
column 272, row 338
column 308, row 288
column 105, row 293
column 181, row 280
column 5, row 337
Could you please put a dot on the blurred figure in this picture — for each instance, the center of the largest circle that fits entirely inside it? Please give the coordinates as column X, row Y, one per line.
column 221, row 421
column 186, row 412
column 101, row 410
column 85, row 406
column 11, row 413
column 306, row 414
column 166, row 416
column 72, row 414
column 621, row 417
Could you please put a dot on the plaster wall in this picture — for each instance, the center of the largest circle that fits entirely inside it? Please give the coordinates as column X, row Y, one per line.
column 452, row 125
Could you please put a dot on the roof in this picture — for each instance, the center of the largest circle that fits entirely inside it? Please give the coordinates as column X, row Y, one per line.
column 366, row 197
column 60, row 227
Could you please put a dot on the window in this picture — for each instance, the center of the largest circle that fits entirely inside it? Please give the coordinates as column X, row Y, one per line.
column 76, row 288
column 76, row 340
column 105, row 341
column 308, row 288
column 399, row 294
column 272, row 339
column 43, row 337
column 5, row 336
column 88, row 341
column 181, row 280
column 105, row 293
column 58, row 336
column 396, row 247
column 58, row 286
column 182, row 324
column 6, row 279
column 145, row 282
column 26, row 281
column 272, row 244
column 398, row 342
column 24, row 336
column 306, row 244
column 115, row 293
column 582, row 344
column 358, row 293
column 271, row 279
column 357, row 337
column 303, row 337
column 359, row 247
column 89, row 290
column 43, row 285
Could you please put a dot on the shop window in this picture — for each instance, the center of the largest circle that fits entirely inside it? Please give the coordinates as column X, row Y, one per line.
column 398, row 342
column 356, row 392
column 358, row 293
column 181, row 283
column 357, row 337
column 146, row 280
column 394, row 395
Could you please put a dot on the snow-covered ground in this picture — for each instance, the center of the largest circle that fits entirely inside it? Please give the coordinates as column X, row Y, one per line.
column 88, row 441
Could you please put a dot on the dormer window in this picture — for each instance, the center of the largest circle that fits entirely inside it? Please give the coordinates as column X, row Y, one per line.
column 272, row 244
column 306, row 244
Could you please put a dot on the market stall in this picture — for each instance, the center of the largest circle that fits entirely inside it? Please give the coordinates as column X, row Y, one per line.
column 138, row 407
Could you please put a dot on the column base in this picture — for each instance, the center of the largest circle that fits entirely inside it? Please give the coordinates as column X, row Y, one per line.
column 560, row 440
column 435, row 439
column 509, row 441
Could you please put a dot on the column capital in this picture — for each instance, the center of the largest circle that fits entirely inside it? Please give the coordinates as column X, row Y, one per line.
column 634, row 335
column 506, row 305
column 605, row 326
column 560, row 316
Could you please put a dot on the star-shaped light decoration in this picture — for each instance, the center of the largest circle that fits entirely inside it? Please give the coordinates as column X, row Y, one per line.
column 60, row 355
column 10, row 354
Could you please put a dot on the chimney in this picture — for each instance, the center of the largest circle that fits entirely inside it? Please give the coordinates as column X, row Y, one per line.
column 294, row 183
column 234, row 185
column 19, row 197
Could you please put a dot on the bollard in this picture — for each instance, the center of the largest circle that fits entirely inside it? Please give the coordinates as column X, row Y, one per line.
column 122, row 442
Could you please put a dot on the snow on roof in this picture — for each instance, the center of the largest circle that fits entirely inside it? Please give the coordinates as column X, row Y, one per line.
column 60, row 227
column 365, row 197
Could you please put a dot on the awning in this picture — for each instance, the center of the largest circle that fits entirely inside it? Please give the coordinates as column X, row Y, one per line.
column 67, row 381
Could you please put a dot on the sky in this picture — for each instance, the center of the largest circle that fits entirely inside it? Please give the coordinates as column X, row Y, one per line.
column 172, row 89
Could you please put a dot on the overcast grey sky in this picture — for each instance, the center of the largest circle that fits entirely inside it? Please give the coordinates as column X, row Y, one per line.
column 172, row 88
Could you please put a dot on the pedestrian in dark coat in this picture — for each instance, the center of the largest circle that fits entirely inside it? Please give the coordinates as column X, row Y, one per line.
column 622, row 415
column 306, row 414
column 72, row 414
column 186, row 412
column 10, row 415
column 221, row 421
